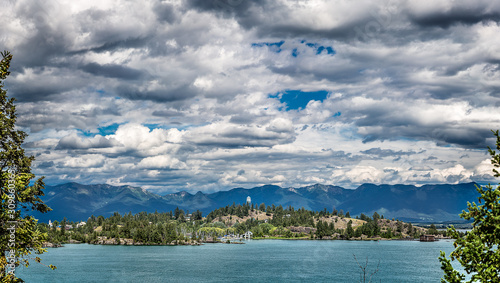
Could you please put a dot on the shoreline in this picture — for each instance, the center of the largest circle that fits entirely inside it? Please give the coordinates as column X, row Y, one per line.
column 199, row 243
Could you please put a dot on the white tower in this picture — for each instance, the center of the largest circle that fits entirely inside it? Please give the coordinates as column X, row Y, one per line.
column 249, row 200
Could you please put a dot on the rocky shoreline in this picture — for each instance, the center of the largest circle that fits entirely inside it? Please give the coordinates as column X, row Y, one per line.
column 51, row 245
column 130, row 242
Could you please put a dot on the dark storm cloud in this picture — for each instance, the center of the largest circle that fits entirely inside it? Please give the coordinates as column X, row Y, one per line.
column 272, row 19
column 466, row 137
column 468, row 13
column 161, row 94
column 114, row 45
column 45, row 42
column 36, row 93
column 231, row 8
column 112, row 71
column 165, row 12
column 241, row 140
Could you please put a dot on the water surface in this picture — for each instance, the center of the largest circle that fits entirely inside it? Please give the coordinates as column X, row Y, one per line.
column 255, row 261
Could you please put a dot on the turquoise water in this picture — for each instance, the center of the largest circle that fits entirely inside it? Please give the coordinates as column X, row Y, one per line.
column 256, row 261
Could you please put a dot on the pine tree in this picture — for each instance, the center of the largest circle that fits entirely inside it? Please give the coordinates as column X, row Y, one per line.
column 479, row 251
column 20, row 236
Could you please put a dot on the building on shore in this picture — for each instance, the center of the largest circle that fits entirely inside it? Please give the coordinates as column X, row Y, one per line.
column 248, row 235
column 427, row 238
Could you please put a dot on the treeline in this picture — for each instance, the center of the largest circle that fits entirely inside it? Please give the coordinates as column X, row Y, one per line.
column 178, row 225
column 146, row 228
column 280, row 216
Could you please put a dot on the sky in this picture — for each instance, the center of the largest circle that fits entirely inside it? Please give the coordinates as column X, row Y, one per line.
column 208, row 95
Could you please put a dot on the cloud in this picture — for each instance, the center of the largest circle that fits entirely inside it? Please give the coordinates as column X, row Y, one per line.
column 85, row 161
column 138, row 137
column 464, row 13
column 386, row 152
column 161, row 162
column 73, row 141
column 112, row 71
column 279, row 131
column 453, row 175
column 363, row 174
column 175, row 95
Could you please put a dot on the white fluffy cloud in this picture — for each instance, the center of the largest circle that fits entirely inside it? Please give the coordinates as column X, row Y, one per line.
column 161, row 162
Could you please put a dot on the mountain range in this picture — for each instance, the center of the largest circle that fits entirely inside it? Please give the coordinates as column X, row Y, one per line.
column 428, row 203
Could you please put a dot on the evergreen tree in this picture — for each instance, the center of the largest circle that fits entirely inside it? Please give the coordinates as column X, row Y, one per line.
column 479, row 251
column 262, row 207
column 17, row 194
column 349, row 232
column 177, row 213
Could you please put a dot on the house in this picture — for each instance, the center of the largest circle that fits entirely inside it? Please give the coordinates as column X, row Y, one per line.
column 427, row 238
column 248, row 235
column 80, row 224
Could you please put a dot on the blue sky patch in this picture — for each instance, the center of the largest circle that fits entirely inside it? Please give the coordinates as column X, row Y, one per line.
column 274, row 46
column 328, row 49
column 103, row 131
column 320, row 48
column 108, row 130
column 297, row 99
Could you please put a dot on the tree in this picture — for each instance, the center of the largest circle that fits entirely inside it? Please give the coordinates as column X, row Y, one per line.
column 20, row 236
column 349, row 231
column 197, row 215
column 364, row 270
column 432, row 230
column 341, row 213
column 262, row 207
column 479, row 251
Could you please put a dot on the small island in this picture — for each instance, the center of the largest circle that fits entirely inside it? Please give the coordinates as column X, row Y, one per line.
column 230, row 224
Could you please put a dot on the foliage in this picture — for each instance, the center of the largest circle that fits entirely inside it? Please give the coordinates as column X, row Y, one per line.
column 478, row 252
column 164, row 228
column 20, row 236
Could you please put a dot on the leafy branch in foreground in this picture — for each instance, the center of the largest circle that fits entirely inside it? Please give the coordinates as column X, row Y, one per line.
column 20, row 234
column 479, row 251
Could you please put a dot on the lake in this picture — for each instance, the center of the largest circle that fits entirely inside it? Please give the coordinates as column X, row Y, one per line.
column 255, row 261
